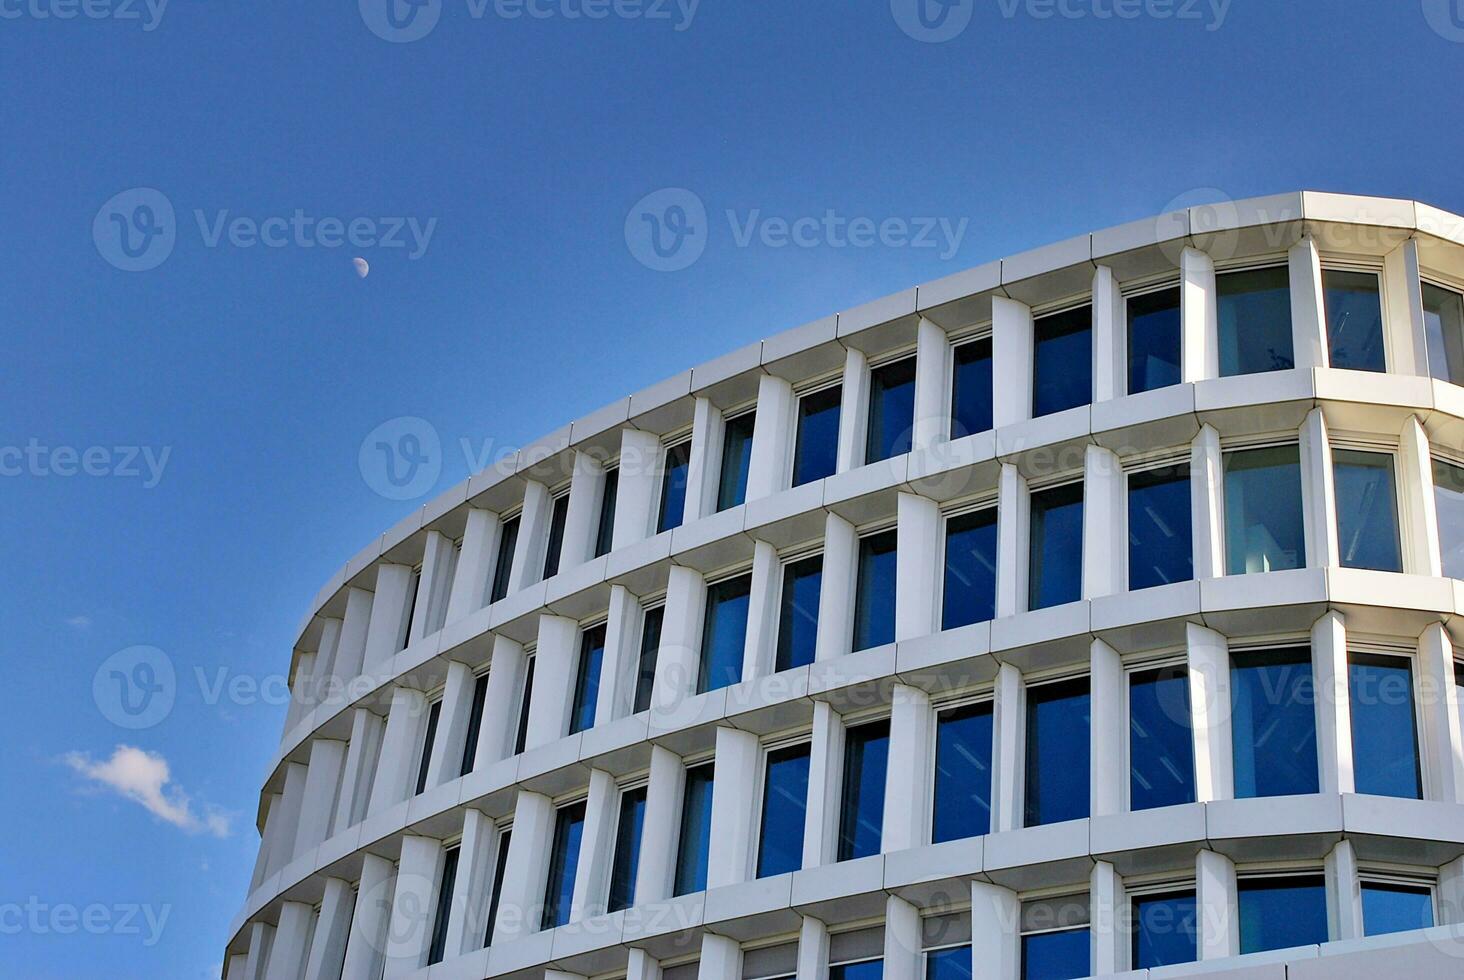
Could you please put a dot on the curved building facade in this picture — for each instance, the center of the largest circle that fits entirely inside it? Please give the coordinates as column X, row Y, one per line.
column 1089, row 611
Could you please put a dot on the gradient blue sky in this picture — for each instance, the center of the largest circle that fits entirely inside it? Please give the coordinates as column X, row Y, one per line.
column 260, row 370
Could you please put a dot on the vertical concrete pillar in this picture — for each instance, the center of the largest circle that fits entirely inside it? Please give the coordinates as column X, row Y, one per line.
column 640, row 965
column 1207, row 503
column 471, row 582
column 434, row 588
column 908, row 786
column 1011, row 361
column 772, row 438
column 473, row 888
column 370, row 920
column 1199, row 319
column 1318, row 493
column 1215, row 901
column 1110, row 337
column 1438, row 700
column 721, row 958
column 284, row 820
column 301, row 686
column 1308, row 308
column 918, row 558
column 932, row 381
column 322, row 782
column 679, row 661
column 1107, row 941
column 640, row 487
column 996, row 932
column 1108, row 775
column 446, row 761
column 1007, row 749
column 328, row 948
column 1451, row 894
column 238, row 967
column 362, row 755
column 597, row 848
column 704, row 467
column 270, row 804
column 387, row 632
column 500, row 718
column 1419, row 519
column 835, row 635
column 581, row 522
column 853, row 411
column 400, row 747
column 1404, row 324
column 414, row 904
column 1207, row 655
column 1105, row 524
column 813, row 949
column 763, row 608
column 620, row 666
column 902, row 952
column 351, row 650
column 325, row 687
column 533, row 537
column 730, row 853
column 825, row 774
column 555, row 660
column 521, row 900
column 1013, row 509
column 664, row 791
column 1344, row 893
column 261, row 942
column 1333, row 704
column 291, row 942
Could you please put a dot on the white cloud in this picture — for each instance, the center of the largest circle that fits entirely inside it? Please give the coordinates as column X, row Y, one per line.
column 79, row 622
column 143, row 777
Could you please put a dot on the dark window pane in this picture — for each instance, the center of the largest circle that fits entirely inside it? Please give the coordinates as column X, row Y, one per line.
column 1161, row 750
column 1395, row 908
column 1367, row 510
column 867, row 970
column 1153, row 340
column 1161, row 550
column 798, row 612
column 874, row 599
column 1449, row 502
column 962, row 773
column 1263, row 523
column 1273, row 723
column 434, row 712
column 891, row 410
column 953, row 963
column 1057, row 752
column 440, row 915
column 569, row 825
column 673, row 487
column 861, row 811
column 406, row 628
column 785, row 801
column 696, row 831
column 970, row 569
column 587, row 680
column 1354, row 320
column 627, row 849
column 500, row 862
column 557, row 518
column 521, row 739
column 1055, row 955
column 1062, row 361
column 1443, row 327
column 503, row 561
column 971, row 389
column 1055, row 567
column 1165, row 930
column 1255, row 321
column 650, row 646
column 475, row 723
column 1385, row 733
column 724, row 634
column 1279, row 913
column 605, row 529
column 816, row 451
column 736, row 457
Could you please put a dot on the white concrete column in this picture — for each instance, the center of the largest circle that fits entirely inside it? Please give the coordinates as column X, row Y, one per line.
column 1105, row 524
column 387, row 631
column 238, row 967
column 351, row 650
column 400, row 749
column 813, row 949
column 533, row 537
column 704, row 468
column 555, row 660
column 270, row 803
column 471, row 581
column 500, row 702
column 1011, row 361
column 1308, row 307
column 1451, row 894
column 446, row 761
column 1437, row 697
column 730, row 853
column 1108, row 771
column 1108, row 944
column 302, row 683
column 835, row 636
column 434, row 592
column 620, row 664
column 1403, row 314
column 640, row 965
column 1008, row 749
column 1344, row 893
column 919, row 559
column 413, row 905
column 1199, row 318
column 1333, row 705
column 362, row 754
column 1318, row 493
column 772, row 438
column 996, row 932
column 1215, row 906
column 328, row 948
column 1207, row 654
column 1207, row 503
column 1110, row 337
column 597, row 848
column 908, row 786
column 1013, row 514
column 721, row 958
column 1419, row 517
column 678, row 663
column 932, row 381
column 371, row 920
column 581, row 522
column 324, row 687
column 322, row 781
column 853, row 412
column 521, row 899
column 902, row 953
column 764, row 606
column 284, row 820
column 473, row 887
column 664, row 791
column 825, row 775
column 261, row 941
column 639, row 493
column 291, row 942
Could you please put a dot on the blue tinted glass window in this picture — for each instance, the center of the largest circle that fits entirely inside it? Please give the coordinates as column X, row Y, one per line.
column 503, row 562
column 1279, row 913
column 569, row 826
column 736, row 457
column 1055, row 566
column 673, row 487
column 587, row 680
column 962, row 773
column 874, row 600
column 953, row 963
column 1385, row 742
column 557, row 516
column 866, row 970
column 696, row 831
column 1367, row 510
column 1055, row 955
column 1273, row 723
column 1449, row 502
column 970, row 569
column 785, row 801
column 438, row 945
column 861, row 812
column 1062, row 361
column 627, row 849
column 1395, row 908
column 650, row 646
column 1153, row 340
column 798, row 612
column 971, row 389
column 891, row 410
column 724, row 634
column 1057, row 752
column 1165, row 930
column 1263, row 523
column 1254, row 310
column 1354, row 320
column 816, row 450
column 1443, row 327
column 1160, row 548
column 605, row 528
column 1161, row 749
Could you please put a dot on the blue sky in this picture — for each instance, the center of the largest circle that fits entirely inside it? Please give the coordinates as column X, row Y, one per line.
column 179, row 446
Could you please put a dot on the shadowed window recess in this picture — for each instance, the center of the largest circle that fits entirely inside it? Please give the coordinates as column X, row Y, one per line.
column 874, row 597
column 1058, row 738
column 962, row 793
column 1153, row 339
column 891, row 410
column 673, row 486
column 969, row 594
column 971, row 397
column 724, row 633
column 798, row 612
column 627, row 848
column 784, row 804
column 861, row 808
column 696, row 831
column 558, row 515
column 816, row 445
column 1254, row 309
column 1160, row 544
column 1062, row 361
column 569, row 825
column 503, row 562
column 1281, row 912
column 587, row 679
column 605, row 523
column 1055, row 547
column 650, row 647
column 736, row 458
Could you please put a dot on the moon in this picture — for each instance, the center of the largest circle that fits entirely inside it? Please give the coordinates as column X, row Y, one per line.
column 363, row 268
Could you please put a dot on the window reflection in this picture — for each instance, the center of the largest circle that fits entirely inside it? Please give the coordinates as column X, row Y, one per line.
column 1254, row 309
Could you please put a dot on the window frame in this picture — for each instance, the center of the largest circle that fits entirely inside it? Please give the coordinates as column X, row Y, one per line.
column 442, row 916
column 786, row 558
column 984, row 695
column 1156, row 887
column 553, row 558
column 1052, row 678
column 1270, row 871
column 651, row 605
column 515, row 517
column 1416, row 692
column 578, row 798
column 1399, row 876
column 1357, row 264
column 736, row 414
column 608, row 470
column 985, row 501
column 1448, row 284
column 812, row 387
column 428, row 741
column 581, row 634
column 1273, row 440
column 639, row 781
column 1059, row 482
column 1147, row 287
column 523, row 698
column 669, row 444
column 720, row 577
column 760, row 789
column 701, row 760
column 981, row 332
column 1156, row 661
column 1392, row 450
column 887, row 359
column 1057, row 309
column 1257, row 263
column 874, row 716
column 1149, row 465
column 862, row 534
column 1272, row 645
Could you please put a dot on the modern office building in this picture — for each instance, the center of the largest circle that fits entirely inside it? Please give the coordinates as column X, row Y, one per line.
column 1088, row 611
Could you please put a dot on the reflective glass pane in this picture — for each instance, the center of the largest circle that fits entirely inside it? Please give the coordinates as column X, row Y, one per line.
column 587, row 680
column 891, row 410
column 1449, row 502
column 673, row 487
column 736, row 457
column 1385, row 732
column 558, row 515
column 696, row 831
column 1367, row 510
column 1161, row 549
column 785, row 801
column 627, row 848
column 798, row 612
column 861, row 812
column 605, row 529
column 1153, row 340
column 952, row 963
column 962, row 773
column 1255, row 321
column 650, row 646
column 816, row 450
column 1062, row 361
column 1279, row 913
column 1389, row 908
column 569, row 825
column 1055, row 955
column 1273, row 723
column 971, row 388
column 867, row 970
column 970, row 569
column 1354, row 320
column 1057, row 752
column 1055, row 568
column 1263, row 522
column 1161, row 748
column 724, row 634
column 874, row 600
column 503, row 562
column 1443, row 327
column 1165, row 930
